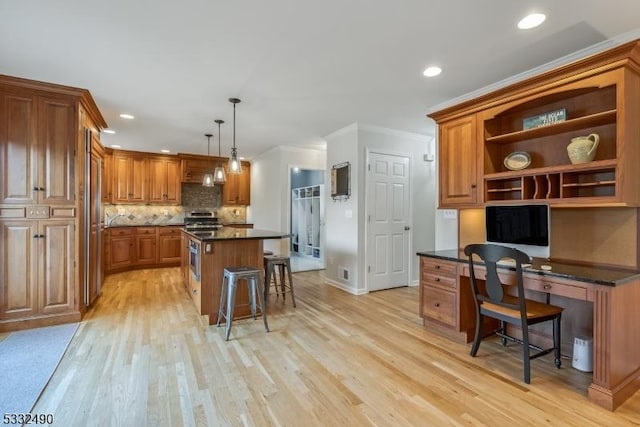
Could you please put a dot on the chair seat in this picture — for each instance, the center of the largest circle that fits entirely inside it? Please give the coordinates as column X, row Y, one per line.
column 535, row 309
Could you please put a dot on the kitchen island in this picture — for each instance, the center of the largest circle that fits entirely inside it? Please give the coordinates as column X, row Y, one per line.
column 205, row 255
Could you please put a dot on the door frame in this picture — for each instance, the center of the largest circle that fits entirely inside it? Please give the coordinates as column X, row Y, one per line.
column 323, row 228
column 367, row 229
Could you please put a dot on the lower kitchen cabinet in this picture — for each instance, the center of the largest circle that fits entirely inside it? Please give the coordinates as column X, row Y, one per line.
column 145, row 246
column 169, row 242
column 120, row 253
column 37, row 267
column 128, row 248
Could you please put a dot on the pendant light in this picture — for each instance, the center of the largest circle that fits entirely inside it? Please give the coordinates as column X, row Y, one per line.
column 219, row 177
column 207, row 181
column 234, row 166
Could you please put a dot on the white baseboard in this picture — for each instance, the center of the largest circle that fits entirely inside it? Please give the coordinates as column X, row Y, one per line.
column 344, row 287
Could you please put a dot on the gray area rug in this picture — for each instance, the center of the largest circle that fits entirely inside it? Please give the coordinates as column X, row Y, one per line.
column 27, row 362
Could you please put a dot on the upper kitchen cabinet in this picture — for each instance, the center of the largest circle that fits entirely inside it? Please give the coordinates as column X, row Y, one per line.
column 36, row 155
column 143, row 178
column 522, row 133
column 237, row 189
column 194, row 167
column 129, row 177
column 457, row 163
column 164, row 180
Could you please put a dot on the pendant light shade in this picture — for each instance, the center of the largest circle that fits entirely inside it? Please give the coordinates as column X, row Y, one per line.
column 219, row 176
column 234, row 166
column 207, row 181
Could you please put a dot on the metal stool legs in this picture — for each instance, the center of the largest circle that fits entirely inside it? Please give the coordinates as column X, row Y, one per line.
column 228, row 295
column 282, row 264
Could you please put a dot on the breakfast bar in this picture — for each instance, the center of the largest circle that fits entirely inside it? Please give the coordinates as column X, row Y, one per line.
column 205, row 255
column 446, row 306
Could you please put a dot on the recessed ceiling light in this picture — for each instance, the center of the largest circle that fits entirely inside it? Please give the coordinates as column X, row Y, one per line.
column 165, row 151
column 241, row 158
column 432, row 71
column 531, row 21
column 115, row 146
column 127, row 116
column 109, row 131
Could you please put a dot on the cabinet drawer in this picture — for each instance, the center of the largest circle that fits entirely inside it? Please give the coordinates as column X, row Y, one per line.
column 438, row 280
column 169, row 231
column 145, row 230
column 438, row 266
column 439, row 304
column 121, row 232
column 555, row 288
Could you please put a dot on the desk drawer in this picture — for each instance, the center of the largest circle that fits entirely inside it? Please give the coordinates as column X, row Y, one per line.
column 438, row 266
column 538, row 283
column 439, row 304
column 438, row 280
column 555, row 288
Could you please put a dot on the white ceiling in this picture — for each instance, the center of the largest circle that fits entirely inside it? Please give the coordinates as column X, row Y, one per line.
column 302, row 68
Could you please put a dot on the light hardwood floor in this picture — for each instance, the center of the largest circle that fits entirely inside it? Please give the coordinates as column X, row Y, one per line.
column 143, row 356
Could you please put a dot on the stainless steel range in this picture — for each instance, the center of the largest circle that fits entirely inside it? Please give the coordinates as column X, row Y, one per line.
column 201, row 221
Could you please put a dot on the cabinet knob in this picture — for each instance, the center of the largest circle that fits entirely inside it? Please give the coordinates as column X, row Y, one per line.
column 437, row 304
column 437, row 267
column 473, row 186
column 437, row 279
column 547, row 286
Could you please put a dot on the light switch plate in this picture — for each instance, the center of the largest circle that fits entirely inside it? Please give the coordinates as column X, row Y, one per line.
column 348, row 213
column 449, row 214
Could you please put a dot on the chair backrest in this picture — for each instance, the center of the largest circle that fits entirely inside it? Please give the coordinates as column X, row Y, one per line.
column 490, row 255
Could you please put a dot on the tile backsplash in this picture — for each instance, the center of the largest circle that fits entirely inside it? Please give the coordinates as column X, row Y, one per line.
column 194, row 197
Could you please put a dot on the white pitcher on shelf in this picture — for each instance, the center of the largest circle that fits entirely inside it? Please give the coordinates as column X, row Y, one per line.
column 582, row 149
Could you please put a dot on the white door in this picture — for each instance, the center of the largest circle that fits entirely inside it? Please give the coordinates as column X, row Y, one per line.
column 387, row 221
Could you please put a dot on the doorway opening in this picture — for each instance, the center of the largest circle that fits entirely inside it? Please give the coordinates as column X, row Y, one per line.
column 307, row 219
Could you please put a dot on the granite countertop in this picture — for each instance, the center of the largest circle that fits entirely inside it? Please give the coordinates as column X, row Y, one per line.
column 231, row 233
column 609, row 276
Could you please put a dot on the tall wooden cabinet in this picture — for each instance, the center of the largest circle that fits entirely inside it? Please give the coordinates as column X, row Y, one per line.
column 599, row 94
column 42, row 158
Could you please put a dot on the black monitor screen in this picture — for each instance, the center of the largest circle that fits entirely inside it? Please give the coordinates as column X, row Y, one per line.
column 524, row 224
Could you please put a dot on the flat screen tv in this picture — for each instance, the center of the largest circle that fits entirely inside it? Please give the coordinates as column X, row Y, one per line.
column 525, row 227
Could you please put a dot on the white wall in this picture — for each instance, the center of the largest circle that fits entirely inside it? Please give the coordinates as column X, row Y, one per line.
column 270, row 188
column 346, row 238
column 341, row 247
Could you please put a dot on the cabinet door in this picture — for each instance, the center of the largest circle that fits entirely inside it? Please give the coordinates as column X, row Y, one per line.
column 106, row 192
column 56, row 176
column 18, row 267
column 120, row 251
column 56, row 254
column 18, row 151
column 145, row 249
column 138, row 187
column 130, row 178
column 173, row 193
column 457, row 166
column 121, row 173
column 157, row 180
column 237, row 189
column 169, row 249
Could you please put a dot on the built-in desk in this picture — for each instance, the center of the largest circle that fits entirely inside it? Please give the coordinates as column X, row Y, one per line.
column 446, row 305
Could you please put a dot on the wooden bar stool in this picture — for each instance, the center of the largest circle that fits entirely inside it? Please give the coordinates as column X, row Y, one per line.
column 252, row 276
column 282, row 263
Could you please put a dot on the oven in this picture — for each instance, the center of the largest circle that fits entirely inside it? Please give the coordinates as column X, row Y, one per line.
column 194, row 258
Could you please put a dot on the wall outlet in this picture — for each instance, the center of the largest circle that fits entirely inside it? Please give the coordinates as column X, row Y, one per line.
column 165, row 212
column 449, row 214
column 348, row 213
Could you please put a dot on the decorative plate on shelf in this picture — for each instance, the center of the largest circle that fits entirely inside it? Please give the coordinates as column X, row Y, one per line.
column 517, row 160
